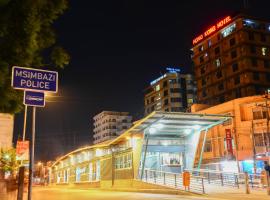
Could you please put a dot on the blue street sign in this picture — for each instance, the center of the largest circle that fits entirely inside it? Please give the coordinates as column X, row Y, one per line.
column 32, row 98
column 34, row 79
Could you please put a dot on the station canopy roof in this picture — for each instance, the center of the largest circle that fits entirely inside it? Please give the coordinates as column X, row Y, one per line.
column 172, row 124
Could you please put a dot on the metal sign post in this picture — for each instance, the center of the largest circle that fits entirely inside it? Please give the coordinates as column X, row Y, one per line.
column 34, row 82
column 32, row 153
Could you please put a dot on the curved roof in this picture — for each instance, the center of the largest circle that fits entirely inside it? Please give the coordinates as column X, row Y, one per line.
column 172, row 123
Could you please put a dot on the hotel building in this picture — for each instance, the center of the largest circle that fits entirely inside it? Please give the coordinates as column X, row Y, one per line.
column 232, row 59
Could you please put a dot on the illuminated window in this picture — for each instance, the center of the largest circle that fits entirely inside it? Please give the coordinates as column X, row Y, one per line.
column 251, row 24
column 157, row 87
column 227, row 31
column 218, row 62
column 210, row 42
column 190, row 101
column 268, row 28
column 123, row 161
column 265, row 51
column 201, row 48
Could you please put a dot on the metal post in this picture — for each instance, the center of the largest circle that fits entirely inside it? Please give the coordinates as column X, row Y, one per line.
column 31, row 164
column 22, row 168
column 268, row 182
column 203, row 190
column 247, row 183
column 113, row 171
column 24, row 122
column 267, row 134
column 175, row 182
column 221, row 179
column 164, row 178
column 236, row 181
column 20, row 183
column 201, row 155
column 144, row 156
column 254, row 148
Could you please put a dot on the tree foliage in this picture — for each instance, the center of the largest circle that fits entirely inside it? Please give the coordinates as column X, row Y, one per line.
column 8, row 161
column 27, row 39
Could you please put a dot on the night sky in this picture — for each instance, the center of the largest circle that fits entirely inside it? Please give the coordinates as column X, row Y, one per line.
column 117, row 48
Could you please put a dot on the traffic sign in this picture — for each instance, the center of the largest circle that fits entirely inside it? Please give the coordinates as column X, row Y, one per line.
column 34, row 79
column 32, row 98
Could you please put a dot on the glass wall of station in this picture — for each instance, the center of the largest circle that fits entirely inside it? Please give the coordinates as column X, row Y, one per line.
column 169, row 152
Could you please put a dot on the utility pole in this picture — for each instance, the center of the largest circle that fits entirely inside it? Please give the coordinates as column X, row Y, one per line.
column 267, row 141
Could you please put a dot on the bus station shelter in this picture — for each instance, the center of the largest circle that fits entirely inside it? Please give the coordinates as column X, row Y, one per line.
column 161, row 141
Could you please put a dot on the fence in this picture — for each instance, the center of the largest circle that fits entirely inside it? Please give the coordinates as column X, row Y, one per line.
column 202, row 180
column 173, row 180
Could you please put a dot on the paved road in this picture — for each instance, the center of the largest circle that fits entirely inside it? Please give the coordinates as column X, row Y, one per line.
column 79, row 194
column 50, row 193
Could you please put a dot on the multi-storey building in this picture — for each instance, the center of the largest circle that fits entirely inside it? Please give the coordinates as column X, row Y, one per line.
column 6, row 130
column 171, row 92
column 232, row 59
column 109, row 124
column 244, row 138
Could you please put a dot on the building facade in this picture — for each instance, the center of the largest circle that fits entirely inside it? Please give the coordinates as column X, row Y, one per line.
column 232, row 59
column 110, row 124
column 244, row 138
column 171, row 92
column 162, row 141
column 6, row 130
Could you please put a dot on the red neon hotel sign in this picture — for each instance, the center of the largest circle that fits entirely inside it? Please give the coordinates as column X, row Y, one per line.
column 212, row 29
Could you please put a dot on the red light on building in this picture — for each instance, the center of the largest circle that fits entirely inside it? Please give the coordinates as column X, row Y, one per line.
column 197, row 39
column 212, row 29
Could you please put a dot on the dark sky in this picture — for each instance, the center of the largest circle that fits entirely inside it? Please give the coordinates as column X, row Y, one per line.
column 117, row 48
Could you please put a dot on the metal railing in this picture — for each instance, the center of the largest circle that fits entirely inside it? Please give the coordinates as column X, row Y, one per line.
column 173, row 180
column 202, row 180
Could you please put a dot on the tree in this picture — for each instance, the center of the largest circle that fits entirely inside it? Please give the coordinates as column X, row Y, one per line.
column 27, row 39
column 8, row 161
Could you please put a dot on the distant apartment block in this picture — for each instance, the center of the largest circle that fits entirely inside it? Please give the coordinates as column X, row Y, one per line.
column 110, row 124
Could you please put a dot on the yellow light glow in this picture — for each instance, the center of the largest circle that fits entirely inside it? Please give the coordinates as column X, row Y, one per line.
column 98, row 152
